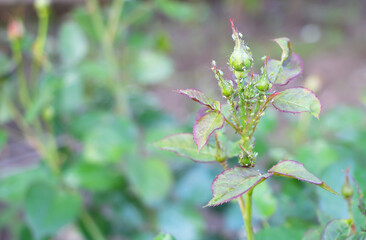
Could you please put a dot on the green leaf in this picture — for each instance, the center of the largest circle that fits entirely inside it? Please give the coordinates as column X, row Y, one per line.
column 200, row 97
column 151, row 179
column 183, row 11
column 264, row 201
column 48, row 208
column 73, row 45
column 233, row 183
column 296, row 100
column 357, row 236
column 280, row 233
column 183, row 145
column 153, row 67
column 3, row 139
column 205, row 125
column 164, row 236
column 285, row 45
column 293, row 169
column 93, row 177
column 13, row 188
column 312, row 234
column 289, row 67
column 110, row 140
column 337, row 229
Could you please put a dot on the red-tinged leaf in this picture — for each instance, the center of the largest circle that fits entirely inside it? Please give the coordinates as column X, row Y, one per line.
column 290, row 66
column 297, row 100
column 205, row 126
column 233, row 183
column 183, row 145
column 294, row 169
column 200, row 97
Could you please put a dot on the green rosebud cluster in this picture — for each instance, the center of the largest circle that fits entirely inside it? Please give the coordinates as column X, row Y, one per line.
column 246, row 95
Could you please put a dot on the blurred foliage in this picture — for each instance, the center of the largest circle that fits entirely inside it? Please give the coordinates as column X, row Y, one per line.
column 94, row 116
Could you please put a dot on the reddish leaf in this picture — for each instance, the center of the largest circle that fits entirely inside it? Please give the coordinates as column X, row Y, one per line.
column 205, row 126
column 200, row 97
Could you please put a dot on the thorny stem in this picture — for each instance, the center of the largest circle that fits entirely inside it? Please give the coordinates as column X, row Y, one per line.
column 248, row 215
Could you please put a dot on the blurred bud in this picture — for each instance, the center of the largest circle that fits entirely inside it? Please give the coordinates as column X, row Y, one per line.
column 48, row 113
column 241, row 58
column 15, row 30
column 41, row 4
column 347, row 190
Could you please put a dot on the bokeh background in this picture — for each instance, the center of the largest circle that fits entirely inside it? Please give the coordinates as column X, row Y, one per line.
column 86, row 90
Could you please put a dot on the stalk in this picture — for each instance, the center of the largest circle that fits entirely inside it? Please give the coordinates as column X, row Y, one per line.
column 91, row 226
column 248, row 215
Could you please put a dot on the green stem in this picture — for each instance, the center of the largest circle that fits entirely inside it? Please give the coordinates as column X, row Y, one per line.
column 349, row 204
column 107, row 35
column 91, row 226
column 242, row 207
column 113, row 21
column 240, row 199
column 23, row 93
column 248, row 215
column 39, row 46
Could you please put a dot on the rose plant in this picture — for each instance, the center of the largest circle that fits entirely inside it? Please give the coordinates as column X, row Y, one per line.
column 248, row 96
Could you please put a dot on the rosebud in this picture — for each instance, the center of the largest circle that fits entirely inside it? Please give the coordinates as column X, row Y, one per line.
column 226, row 88
column 246, row 160
column 241, row 58
column 347, row 190
column 263, row 83
column 15, row 30
column 239, row 74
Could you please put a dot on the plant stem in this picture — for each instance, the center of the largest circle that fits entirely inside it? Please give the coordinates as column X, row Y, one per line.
column 233, row 126
column 91, row 226
column 240, row 199
column 349, row 204
column 248, row 215
column 242, row 206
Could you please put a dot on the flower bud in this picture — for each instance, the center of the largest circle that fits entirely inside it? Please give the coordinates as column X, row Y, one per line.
column 246, row 160
column 347, row 190
column 226, row 88
column 15, row 30
column 249, row 92
column 241, row 58
column 239, row 74
column 263, row 84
